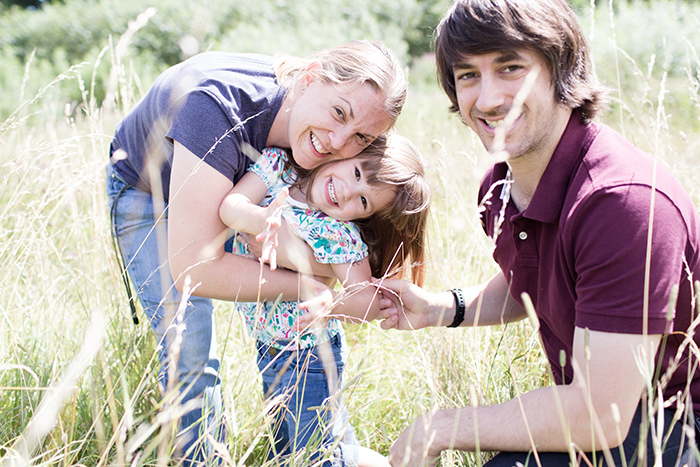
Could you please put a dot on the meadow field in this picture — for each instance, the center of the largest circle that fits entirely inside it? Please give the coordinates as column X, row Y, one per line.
column 78, row 378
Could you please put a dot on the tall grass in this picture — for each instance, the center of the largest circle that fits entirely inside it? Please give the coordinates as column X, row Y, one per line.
column 76, row 393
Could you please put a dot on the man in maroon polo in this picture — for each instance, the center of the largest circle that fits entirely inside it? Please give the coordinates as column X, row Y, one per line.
column 601, row 239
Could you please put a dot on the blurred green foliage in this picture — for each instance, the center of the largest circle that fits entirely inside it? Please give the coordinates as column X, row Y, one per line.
column 37, row 45
column 59, row 35
column 649, row 49
column 31, row 4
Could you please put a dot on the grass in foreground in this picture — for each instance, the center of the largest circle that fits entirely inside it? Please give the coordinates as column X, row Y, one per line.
column 66, row 334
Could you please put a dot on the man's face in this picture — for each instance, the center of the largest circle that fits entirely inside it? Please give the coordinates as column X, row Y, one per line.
column 487, row 86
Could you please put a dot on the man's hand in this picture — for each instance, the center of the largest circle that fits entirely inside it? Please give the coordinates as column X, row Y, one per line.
column 415, row 446
column 409, row 307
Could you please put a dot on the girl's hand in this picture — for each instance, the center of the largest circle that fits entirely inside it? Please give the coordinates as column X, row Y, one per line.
column 389, row 305
column 269, row 236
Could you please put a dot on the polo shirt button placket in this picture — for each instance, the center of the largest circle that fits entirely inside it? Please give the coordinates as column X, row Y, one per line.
column 522, row 235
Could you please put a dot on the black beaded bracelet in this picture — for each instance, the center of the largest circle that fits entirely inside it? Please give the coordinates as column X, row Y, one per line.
column 460, row 308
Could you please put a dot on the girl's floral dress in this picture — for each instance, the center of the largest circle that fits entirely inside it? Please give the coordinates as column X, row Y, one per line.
column 332, row 241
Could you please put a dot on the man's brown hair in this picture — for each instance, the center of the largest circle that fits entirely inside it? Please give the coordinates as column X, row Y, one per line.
column 548, row 27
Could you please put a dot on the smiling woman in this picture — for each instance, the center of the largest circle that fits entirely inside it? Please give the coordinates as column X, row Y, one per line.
column 327, row 122
column 182, row 149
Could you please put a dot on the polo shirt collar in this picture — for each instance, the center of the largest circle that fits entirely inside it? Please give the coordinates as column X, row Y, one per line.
column 547, row 202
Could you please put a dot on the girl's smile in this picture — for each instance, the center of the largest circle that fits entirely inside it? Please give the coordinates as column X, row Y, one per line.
column 340, row 190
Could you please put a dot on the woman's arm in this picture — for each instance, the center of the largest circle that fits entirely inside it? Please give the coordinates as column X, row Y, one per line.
column 358, row 303
column 196, row 237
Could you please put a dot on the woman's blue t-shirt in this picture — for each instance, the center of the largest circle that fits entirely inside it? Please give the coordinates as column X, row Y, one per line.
column 218, row 105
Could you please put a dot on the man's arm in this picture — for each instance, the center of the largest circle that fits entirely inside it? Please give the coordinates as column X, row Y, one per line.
column 550, row 418
column 486, row 304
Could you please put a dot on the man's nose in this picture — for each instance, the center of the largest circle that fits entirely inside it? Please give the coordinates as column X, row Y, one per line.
column 491, row 95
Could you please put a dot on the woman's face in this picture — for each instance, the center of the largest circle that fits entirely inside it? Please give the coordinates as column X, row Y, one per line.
column 330, row 122
column 341, row 191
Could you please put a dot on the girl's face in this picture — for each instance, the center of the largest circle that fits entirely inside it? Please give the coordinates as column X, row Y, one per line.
column 331, row 122
column 341, row 191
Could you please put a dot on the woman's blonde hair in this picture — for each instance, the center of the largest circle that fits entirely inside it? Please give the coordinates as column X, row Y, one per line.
column 362, row 61
column 396, row 235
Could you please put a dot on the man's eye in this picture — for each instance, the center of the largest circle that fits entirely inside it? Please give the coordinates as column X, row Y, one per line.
column 357, row 174
column 364, row 201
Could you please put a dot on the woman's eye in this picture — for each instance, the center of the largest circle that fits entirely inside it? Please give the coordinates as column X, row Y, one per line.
column 364, row 201
column 364, row 141
column 357, row 174
column 339, row 112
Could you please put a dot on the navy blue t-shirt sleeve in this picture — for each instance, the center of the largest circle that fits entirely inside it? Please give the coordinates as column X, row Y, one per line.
column 204, row 129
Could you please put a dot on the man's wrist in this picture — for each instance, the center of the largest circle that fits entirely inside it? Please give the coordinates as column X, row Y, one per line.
column 442, row 428
column 442, row 309
column 459, row 307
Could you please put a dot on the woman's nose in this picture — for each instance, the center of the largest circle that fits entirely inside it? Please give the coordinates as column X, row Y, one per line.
column 339, row 138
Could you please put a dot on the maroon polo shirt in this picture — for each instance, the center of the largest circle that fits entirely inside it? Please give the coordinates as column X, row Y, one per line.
column 580, row 249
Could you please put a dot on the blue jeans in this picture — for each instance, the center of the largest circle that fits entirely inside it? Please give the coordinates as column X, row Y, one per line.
column 679, row 449
column 142, row 238
column 309, row 414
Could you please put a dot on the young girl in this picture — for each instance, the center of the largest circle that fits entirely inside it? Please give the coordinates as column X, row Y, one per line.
column 385, row 192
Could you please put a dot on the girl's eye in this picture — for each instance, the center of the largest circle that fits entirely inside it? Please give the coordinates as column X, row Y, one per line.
column 364, row 201
column 357, row 174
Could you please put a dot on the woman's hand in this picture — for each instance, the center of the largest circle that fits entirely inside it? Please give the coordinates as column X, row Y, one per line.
column 318, row 303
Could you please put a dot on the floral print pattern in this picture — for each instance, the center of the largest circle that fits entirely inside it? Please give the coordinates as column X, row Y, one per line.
column 332, row 241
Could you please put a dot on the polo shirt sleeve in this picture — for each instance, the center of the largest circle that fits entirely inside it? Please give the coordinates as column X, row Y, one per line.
column 615, row 264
